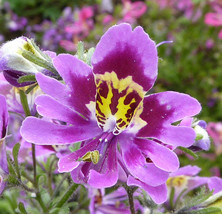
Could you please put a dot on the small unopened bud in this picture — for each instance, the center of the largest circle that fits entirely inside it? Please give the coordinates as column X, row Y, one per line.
column 202, row 141
column 21, row 57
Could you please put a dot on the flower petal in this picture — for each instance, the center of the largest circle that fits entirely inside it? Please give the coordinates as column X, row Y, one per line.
column 127, row 53
column 215, row 183
column 13, row 76
column 139, row 168
column 186, row 170
column 80, row 80
column 48, row 85
column 2, row 184
column 213, row 19
column 106, row 175
column 158, row 193
column 160, row 155
column 80, row 174
column 161, row 110
column 69, row 162
column 42, row 132
column 50, row 108
column 3, row 117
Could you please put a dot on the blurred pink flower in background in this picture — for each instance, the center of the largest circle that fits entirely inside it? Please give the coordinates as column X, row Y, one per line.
column 133, row 10
column 185, row 6
column 215, row 131
column 79, row 29
column 107, row 19
column 215, row 18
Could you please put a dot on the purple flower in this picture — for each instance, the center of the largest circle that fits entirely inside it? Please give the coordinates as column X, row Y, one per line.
column 133, row 11
column 105, row 108
column 215, row 131
column 215, row 18
column 202, row 141
column 185, row 180
column 110, row 203
column 3, row 130
column 81, row 27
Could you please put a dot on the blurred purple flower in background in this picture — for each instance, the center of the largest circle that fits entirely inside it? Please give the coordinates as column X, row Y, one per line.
column 133, row 10
column 108, row 203
column 215, row 131
column 13, row 21
column 185, row 180
column 202, row 141
column 187, row 7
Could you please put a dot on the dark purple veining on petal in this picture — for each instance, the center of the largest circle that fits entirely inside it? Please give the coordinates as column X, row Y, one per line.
column 115, row 99
column 124, row 61
column 78, row 85
column 13, row 76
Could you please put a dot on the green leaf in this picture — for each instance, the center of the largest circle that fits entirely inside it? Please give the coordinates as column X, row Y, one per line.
column 12, row 179
column 89, row 55
column 191, row 202
column 15, row 152
column 198, row 136
column 67, row 195
column 39, row 61
column 10, row 166
column 22, row 208
column 27, row 78
column 75, row 147
column 80, row 51
column 31, row 88
column 209, row 210
column 188, row 151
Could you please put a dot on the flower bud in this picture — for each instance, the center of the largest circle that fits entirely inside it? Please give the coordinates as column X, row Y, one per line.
column 202, row 141
column 21, row 57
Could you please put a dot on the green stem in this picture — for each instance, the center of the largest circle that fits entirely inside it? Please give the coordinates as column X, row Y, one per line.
column 50, row 177
column 66, row 196
column 130, row 192
column 22, row 208
column 25, row 106
column 34, row 166
column 55, row 192
column 23, row 99
column 29, row 178
column 25, row 187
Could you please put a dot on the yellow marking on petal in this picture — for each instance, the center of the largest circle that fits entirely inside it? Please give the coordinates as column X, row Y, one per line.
column 116, row 101
column 178, row 181
column 92, row 106
column 137, row 122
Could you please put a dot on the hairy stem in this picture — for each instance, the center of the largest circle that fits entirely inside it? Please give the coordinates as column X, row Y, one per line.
column 34, row 165
column 130, row 191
